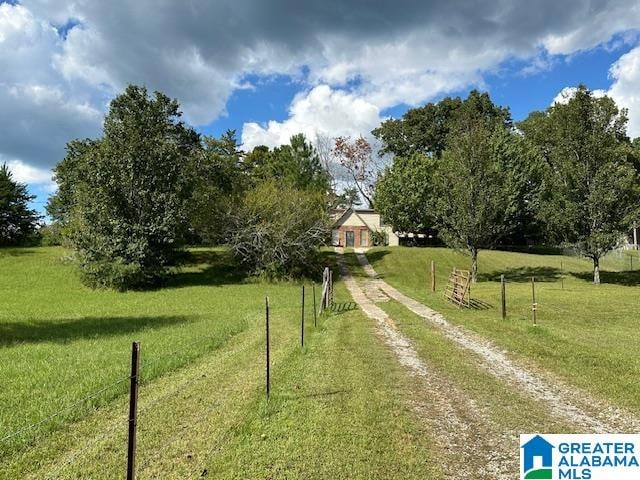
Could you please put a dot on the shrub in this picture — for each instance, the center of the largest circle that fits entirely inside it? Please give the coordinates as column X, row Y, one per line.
column 277, row 230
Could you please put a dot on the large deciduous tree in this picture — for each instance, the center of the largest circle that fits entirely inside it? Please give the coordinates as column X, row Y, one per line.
column 426, row 129
column 17, row 221
column 590, row 186
column 404, row 192
column 477, row 183
column 128, row 192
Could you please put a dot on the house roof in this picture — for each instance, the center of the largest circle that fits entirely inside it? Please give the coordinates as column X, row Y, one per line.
column 339, row 215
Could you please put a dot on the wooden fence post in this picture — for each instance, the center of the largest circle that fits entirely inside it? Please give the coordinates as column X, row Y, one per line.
column 534, row 306
column 302, row 319
column 315, row 313
column 504, row 297
column 433, row 276
column 268, row 366
column 133, row 410
column 331, row 288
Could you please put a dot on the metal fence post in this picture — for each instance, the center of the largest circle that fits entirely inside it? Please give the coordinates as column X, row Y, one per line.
column 302, row 319
column 268, row 367
column 133, row 410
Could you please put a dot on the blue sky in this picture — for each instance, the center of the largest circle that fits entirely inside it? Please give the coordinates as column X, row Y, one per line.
column 273, row 69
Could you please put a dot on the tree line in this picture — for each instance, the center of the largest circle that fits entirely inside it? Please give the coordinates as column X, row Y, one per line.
column 566, row 175
column 129, row 200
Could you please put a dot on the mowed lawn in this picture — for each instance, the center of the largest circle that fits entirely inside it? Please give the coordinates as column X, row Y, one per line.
column 337, row 408
column 587, row 334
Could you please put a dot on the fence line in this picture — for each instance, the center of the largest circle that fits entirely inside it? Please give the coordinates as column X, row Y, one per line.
column 90, row 396
column 145, row 366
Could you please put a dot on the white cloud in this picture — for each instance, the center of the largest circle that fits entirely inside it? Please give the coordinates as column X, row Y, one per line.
column 322, row 110
column 625, row 73
column 625, row 89
column 353, row 60
column 24, row 173
column 567, row 93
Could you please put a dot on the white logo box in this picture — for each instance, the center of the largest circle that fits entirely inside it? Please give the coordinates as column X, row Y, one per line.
column 580, row 457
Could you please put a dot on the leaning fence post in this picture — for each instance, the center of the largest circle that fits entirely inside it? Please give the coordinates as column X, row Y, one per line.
column 315, row 313
column 302, row 319
column 534, row 306
column 133, row 410
column 267, row 367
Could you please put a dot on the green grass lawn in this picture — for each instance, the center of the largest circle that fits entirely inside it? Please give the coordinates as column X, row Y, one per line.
column 587, row 334
column 337, row 409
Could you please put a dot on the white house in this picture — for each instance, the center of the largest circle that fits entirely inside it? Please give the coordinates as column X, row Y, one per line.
column 354, row 228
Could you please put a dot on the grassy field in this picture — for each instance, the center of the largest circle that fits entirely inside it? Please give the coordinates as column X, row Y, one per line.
column 587, row 334
column 337, row 408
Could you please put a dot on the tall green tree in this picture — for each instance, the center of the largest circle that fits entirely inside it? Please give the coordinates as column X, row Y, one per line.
column 129, row 190
column 426, row 129
column 476, row 183
column 17, row 221
column 590, row 188
column 296, row 164
column 404, row 192
column 219, row 182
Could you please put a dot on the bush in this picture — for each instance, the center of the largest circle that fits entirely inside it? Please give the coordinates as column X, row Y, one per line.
column 379, row 238
column 277, row 230
column 50, row 235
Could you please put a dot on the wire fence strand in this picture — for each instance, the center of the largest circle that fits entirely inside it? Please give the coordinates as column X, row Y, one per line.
column 92, row 395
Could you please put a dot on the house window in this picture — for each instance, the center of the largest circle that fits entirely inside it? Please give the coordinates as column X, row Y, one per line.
column 335, row 237
column 364, row 238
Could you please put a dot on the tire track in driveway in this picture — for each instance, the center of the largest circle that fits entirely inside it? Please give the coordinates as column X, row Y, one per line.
column 472, row 445
column 576, row 407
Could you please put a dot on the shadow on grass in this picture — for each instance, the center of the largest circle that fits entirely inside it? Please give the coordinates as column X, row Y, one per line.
column 343, row 307
column 523, row 274
column 476, row 304
column 628, row 278
column 376, row 256
column 67, row 330
column 207, row 268
column 15, row 251
column 318, row 395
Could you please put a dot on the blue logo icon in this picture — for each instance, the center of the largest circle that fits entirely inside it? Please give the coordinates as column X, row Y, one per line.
column 537, row 459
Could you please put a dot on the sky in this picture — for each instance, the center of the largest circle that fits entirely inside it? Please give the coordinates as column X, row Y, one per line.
column 273, row 68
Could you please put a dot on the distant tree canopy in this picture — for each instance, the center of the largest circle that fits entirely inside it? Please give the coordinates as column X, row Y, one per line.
column 124, row 197
column 590, row 190
column 427, row 129
column 18, row 222
column 296, row 164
